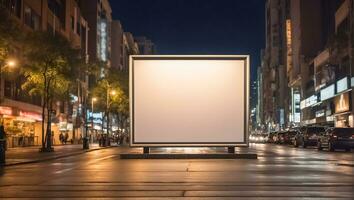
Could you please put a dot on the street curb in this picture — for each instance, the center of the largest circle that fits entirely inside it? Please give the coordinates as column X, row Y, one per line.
column 55, row 157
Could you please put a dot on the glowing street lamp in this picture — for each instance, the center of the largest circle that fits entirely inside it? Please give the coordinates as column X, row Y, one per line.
column 11, row 63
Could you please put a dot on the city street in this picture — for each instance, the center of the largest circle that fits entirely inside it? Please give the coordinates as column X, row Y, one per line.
column 280, row 172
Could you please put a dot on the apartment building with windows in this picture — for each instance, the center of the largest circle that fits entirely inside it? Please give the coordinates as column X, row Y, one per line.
column 20, row 112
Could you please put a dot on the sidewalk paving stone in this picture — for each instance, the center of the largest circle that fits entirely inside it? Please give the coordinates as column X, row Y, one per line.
column 26, row 155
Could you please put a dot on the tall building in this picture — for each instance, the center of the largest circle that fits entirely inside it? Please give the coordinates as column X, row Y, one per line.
column 275, row 96
column 123, row 45
column 20, row 112
column 259, row 108
column 117, row 45
column 313, row 64
column 315, row 42
column 99, row 17
column 146, row 46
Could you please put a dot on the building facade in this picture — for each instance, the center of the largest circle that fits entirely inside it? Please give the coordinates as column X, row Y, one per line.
column 21, row 113
column 146, row 46
column 274, row 59
column 98, row 14
column 315, row 50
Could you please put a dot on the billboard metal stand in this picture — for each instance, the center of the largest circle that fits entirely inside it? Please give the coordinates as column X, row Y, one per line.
column 146, row 150
column 230, row 149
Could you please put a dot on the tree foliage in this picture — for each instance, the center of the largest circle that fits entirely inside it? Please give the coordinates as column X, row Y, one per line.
column 118, row 103
column 49, row 70
column 11, row 35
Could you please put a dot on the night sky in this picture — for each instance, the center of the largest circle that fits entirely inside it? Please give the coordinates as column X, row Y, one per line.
column 196, row 26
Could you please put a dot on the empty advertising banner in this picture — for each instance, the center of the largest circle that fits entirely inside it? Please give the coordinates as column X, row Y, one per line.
column 189, row 100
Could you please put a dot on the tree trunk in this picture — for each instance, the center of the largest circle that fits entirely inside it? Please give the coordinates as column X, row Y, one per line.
column 43, row 121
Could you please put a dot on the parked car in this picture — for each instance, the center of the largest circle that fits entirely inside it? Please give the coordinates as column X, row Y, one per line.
column 279, row 137
column 308, row 136
column 271, row 137
column 258, row 138
column 337, row 138
column 288, row 137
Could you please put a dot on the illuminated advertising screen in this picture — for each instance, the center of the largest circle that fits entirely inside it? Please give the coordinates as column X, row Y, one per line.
column 189, row 100
column 341, row 103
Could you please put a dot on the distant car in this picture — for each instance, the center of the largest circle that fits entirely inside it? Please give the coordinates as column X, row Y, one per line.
column 279, row 137
column 337, row 138
column 308, row 136
column 271, row 137
column 288, row 137
column 258, row 138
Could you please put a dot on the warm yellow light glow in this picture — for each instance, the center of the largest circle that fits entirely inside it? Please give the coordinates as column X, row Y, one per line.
column 11, row 63
column 113, row 92
column 94, row 99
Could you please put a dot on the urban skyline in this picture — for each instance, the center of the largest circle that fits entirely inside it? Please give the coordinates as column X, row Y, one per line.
column 176, row 99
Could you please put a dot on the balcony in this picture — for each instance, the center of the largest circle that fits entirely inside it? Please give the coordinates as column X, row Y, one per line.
column 342, row 13
column 321, row 58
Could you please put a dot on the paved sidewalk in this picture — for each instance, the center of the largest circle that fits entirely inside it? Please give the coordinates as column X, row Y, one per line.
column 25, row 155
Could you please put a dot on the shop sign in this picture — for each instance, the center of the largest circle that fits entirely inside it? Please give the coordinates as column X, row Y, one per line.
column 70, row 127
column 327, row 92
column 281, row 115
column 341, row 103
column 342, row 84
column 63, row 126
column 31, row 115
column 97, row 117
column 320, row 113
column 97, row 127
column 310, row 121
column 330, row 118
column 74, row 98
column 352, row 82
column 310, row 101
column 296, row 106
column 303, row 104
column 5, row 110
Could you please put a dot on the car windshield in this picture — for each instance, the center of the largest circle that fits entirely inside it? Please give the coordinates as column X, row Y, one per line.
column 343, row 131
column 315, row 129
column 292, row 132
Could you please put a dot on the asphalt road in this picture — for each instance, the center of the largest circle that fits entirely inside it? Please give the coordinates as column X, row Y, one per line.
column 280, row 172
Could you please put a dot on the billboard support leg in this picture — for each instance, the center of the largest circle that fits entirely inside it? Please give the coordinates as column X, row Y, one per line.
column 230, row 149
column 146, row 150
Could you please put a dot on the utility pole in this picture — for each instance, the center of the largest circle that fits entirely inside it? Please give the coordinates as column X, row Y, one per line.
column 85, row 142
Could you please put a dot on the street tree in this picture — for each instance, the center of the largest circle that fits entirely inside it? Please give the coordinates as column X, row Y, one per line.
column 111, row 91
column 10, row 34
column 48, row 73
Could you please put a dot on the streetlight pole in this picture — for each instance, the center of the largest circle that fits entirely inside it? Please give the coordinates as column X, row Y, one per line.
column 109, row 93
column 92, row 102
column 85, row 139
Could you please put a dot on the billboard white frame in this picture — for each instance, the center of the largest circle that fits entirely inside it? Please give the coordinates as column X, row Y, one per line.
column 244, row 58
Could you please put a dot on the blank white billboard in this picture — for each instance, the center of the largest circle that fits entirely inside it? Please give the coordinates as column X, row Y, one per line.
column 189, row 100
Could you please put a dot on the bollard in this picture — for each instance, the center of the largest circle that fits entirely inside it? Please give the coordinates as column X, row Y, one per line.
column 85, row 143
column 2, row 151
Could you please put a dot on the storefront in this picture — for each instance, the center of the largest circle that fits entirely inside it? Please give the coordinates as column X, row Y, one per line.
column 22, row 127
column 343, row 116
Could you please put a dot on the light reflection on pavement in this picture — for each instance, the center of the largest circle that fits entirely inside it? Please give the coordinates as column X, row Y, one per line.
column 280, row 172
